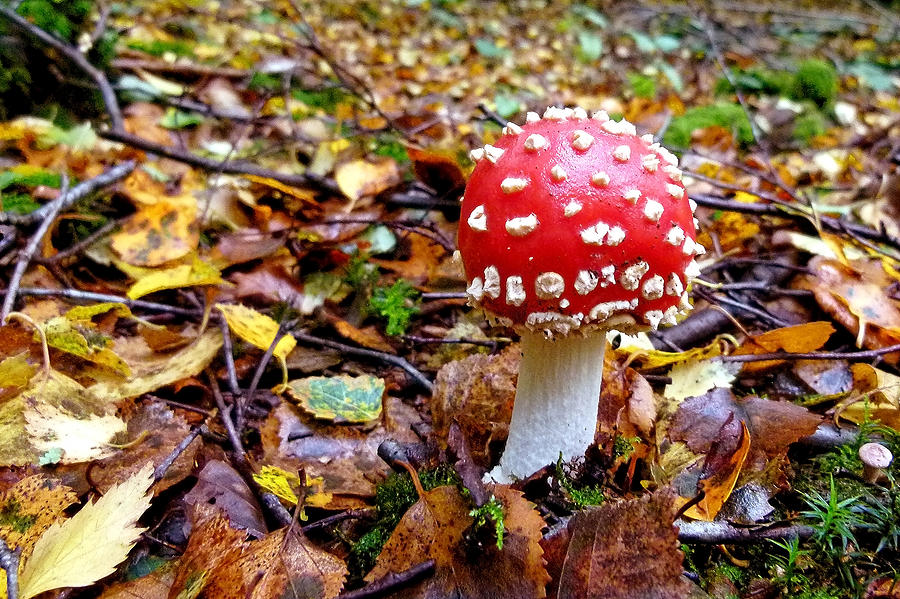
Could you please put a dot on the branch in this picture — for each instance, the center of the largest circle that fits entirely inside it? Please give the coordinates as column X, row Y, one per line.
column 72, row 53
column 90, row 296
column 9, row 561
column 718, row 533
column 392, row 582
column 77, row 193
column 228, row 167
column 868, row 354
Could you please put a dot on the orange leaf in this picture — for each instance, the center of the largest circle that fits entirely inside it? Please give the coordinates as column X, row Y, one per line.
column 796, row 339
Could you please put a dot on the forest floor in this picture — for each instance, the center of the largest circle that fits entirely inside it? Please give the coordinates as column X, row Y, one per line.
column 236, row 358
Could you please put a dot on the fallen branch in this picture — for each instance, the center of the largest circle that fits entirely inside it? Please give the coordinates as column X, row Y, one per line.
column 90, row 296
column 823, row 355
column 368, row 353
column 392, row 582
column 160, row 471
column 9, row 561
column 77, row 193
column 30, row 250
column 719, row 533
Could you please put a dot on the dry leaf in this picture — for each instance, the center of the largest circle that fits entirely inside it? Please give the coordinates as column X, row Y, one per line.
column 90, row 545
column 691, row 379
column 796, row 339
column 258, row 330
column 213, row 542
column 220, row 485
column 197, row 272
column 158, row 233
column 721, row 469
column 434, row 528
column 360, row 178
column 625, row 550
column 29, row 508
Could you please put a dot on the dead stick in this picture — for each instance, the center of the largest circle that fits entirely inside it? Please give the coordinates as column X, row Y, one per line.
column 230, row 167
column 160, row 471
column 243, row 403
column 75, row 194
column 30, row 250
column 9, row 561
column 392, row 582
column 718, row 533
column 90, row 296
column 852, row 355
column 368, row 353
column 228, row 350
column 73, row 54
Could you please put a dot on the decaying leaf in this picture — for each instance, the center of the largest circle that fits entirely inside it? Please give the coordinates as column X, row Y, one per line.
column 478, row 393
column 360, row 178
column 286, row 485
column 693, row 378
column 29, row 508
column 160, row 232
column 435, row 528
column 92, row 543
column 220, row 485
column 721, row 469
column 150, row 371
column 258, row 330
column 213, row 542
column 879, row 398
column 625, row 550
column 339, row 398
column 197, row 272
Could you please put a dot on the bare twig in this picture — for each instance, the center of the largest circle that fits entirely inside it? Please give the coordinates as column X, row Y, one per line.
column 228, row 350
column 392, row 582
column 81, row 245
column 717, row 533
column 9, row 561
column 368, row 353
column 77, row 58
column 247, row 399
column 230, row 167
column 340, row 517
column 30, row 250
column 160, row 471
column 867, row 354
column 75, row 194
column 90, row 296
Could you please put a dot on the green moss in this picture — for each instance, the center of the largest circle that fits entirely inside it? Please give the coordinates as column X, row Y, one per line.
column 491, row 514
column 816, row 80
column 10, row 515
column 581, row 496
column 729, row 116
column 809, row 125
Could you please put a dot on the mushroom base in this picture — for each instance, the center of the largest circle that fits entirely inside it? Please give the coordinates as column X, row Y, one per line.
column 557, row 399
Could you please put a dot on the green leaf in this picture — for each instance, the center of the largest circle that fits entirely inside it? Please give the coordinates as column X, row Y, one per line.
column 872, row 76
column 394, row 304
column 341, row 398
column 642, row 86
column 591, row 15
column 381, row 239
column 506, row 105
column 671, row 74
column 177, row 119
column 590, row 46
column 81, row 137
column 643, row 42
column 487, row 48
column 28, row 176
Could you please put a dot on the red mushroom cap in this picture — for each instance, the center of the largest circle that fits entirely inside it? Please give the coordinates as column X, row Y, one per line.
column 572, row 222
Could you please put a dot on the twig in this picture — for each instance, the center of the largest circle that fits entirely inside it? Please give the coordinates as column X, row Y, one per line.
column 179, row 68
column 852, row 355
column 339, row 517
column 82, row 244
column 442, row 295
column 31, row 249
column 164, row 466
column 491, row 115
column 228, row 350
column 761, row 314
column 75, row 194
column 230, row 167
column 73, row 54
column 491, row 343
column 9, row 561
column 90, row 296
column 392, row 582
column 368, row 353
column 243, row 402
column 225, row 414
column 425, row 230
column 718, row 533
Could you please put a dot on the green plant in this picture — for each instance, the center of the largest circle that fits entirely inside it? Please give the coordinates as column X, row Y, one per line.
column 491, row 513
column 396, row 304
column 816, row 80
column 832, row 518
column 580, row 496
column 787, row 571
column 729, row 116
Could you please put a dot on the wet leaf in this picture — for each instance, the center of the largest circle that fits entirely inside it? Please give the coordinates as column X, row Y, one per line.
column 197, row 272
column 721, row 469
column 339, row 398
column 92, row 543
column 160, row 232
column 219, row 485
column 625, row 550
column 257, row 329
column 285, row 486
column 435, row 528
column 213, row 542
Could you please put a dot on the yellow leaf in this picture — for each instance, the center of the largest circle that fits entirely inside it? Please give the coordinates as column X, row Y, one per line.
column 158, row 233
column 360, row 178
column 654, row 358
column 92, row 543
column 184, row 275
column 79, row 437
column 692, row 379
column 283, row 484
column 258, row 330
column 150, row 372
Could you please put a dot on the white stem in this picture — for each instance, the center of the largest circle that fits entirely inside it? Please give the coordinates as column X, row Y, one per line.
column 556, row 402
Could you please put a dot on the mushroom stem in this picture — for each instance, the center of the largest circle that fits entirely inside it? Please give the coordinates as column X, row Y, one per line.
column 557, row 398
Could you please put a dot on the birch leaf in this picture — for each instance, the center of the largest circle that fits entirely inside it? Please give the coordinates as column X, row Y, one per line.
column 90, row 545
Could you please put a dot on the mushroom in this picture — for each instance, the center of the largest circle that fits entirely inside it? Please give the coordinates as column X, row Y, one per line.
column 572, row 226
column 875, row 458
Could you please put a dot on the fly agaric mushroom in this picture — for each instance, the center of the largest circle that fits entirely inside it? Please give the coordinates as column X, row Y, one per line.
column 572, row 226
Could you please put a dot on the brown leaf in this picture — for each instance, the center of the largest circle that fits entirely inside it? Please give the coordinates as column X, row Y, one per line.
column 478, row 393
column 439, row 171
column 275, row 566
column 155, row 585
column 159, row 431
column 625, row 550
column 213, row 542
column 365, row 336
column 435, row 527
column 422, row 264
column 219, row 484
column 721, row 469
column 29, row 507
column 796, row 339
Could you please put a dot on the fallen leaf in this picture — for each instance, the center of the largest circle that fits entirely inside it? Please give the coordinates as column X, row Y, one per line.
column 340, row 398
column 359, row 178
column 282, row 564
column 365, row 336
column 29, row 508
column 258, row 330
column 284, row 484
column 219, row 485
column 150, row 371
column 160, row 232
column 477, row 392
column 155, row 585
column 213, row 542
column 694, row 378
column 434, row 528
column 796, row 339
column 89, row 545
column 625, row 550
column 197, row 272
column 721, row 469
